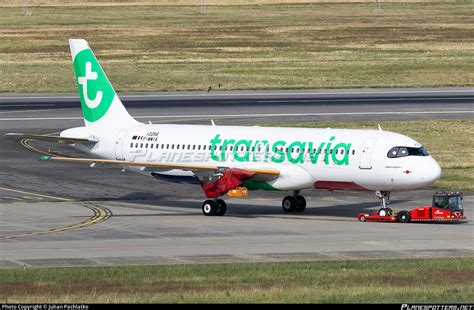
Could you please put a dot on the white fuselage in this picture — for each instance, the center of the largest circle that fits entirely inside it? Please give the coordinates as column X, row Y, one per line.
column 307, row 158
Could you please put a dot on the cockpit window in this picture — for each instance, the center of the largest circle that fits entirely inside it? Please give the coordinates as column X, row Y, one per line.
column 417, row 151
column 402, row 151
column 393, row 152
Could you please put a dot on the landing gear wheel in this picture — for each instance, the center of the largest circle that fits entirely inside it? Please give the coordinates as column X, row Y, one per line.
column 383, row 212
column 404, row 216
column 210, row 207
column 301, row 203
column 222, row 207
column 289, row 204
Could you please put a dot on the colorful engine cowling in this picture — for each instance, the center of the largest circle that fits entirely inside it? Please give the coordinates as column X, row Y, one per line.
column 231, row 179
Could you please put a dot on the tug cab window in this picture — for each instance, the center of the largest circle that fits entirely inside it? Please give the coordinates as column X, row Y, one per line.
column 402, row 151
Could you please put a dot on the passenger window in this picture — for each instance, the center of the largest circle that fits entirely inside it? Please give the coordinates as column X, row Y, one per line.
column 353, row 152
column 131, row 145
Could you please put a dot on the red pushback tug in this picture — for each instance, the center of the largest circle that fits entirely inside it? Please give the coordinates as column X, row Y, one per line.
column 446, row 207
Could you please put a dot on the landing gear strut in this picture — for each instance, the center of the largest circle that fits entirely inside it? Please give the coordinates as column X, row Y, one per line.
column 214, row 207
column 385, row 197
column 295, row 203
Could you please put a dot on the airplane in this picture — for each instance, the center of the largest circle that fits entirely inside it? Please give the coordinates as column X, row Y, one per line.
column 226, row 158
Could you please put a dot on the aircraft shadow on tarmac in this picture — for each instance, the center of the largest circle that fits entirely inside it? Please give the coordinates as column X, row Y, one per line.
column 149, row 202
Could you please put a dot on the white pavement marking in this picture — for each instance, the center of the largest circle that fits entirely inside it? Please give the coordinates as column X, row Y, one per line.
column 252, row 115
column 358, row 99
column 421, row 91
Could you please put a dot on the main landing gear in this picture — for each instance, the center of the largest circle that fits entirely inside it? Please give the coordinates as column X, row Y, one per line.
column 385, row 197
column 295, row 203
column 215, row 207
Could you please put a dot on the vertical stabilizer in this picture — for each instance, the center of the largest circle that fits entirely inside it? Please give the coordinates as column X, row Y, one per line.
column 100, row 104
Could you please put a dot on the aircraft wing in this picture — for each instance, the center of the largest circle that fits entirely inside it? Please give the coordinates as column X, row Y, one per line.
column 57, row 139
column 261, row 174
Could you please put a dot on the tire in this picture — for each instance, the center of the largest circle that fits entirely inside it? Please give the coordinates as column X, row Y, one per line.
column 289, row 204
column 362, row 218
column 222, row 207
column 389, row 211
column 404, row 217
column 210, row 207
column 383, row 212
column 301, row 203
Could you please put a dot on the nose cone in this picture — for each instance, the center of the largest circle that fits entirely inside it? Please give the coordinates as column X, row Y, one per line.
column 432, row 172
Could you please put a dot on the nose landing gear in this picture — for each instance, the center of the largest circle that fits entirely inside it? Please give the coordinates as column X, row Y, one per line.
column 385, row 197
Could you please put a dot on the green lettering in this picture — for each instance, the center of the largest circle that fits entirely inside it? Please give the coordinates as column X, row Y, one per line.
column 214, row 142
column 224, row 145
column 328, row 149
column 314, row 153
column 246, row 155
column 300, row 155
column 345, row 150
column 278, row 155
column 254, row 150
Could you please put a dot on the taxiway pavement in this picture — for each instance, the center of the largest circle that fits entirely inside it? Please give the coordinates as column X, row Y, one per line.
column 58, row 214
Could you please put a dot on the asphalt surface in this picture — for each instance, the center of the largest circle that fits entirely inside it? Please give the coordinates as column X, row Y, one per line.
column 58, row 214
column 35, row 111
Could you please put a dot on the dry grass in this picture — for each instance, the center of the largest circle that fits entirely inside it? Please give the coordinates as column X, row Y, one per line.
column 258, row 46
column 392, row 281
column 186, row 2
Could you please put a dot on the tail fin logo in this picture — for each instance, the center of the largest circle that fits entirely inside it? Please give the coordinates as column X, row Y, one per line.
column 82, row 80
column 95, row 91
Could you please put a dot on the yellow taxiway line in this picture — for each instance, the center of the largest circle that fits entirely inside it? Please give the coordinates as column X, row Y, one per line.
column 34, row 194
column 100, row 214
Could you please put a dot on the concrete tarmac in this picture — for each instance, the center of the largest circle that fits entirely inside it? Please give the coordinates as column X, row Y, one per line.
column 58, row 214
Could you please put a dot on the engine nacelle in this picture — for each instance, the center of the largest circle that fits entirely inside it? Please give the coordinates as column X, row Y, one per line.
column 292, row 177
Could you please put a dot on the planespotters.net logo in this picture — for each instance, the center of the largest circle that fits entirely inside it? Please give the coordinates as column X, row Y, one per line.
column 437, row 307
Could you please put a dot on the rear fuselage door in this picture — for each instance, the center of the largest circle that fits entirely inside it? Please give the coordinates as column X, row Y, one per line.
column 119, row 145
column 366, row 153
